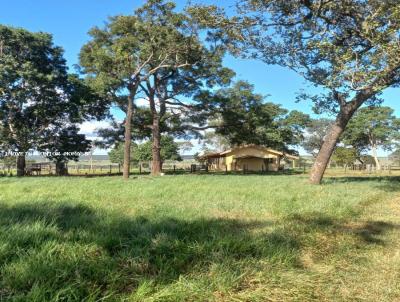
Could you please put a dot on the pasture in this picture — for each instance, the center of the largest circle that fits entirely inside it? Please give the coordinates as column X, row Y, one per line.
column 200, row 238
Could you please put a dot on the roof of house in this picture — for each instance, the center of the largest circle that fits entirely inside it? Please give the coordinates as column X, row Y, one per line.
column 265, row 149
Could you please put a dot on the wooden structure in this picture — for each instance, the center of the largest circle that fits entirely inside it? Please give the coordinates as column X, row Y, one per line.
column 37, row 168
column 248, row 158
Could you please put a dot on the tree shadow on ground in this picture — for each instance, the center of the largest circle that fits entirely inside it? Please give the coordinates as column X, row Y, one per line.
column 79, row 252
column 368, row 232
column 72, row 251
column 384, row 183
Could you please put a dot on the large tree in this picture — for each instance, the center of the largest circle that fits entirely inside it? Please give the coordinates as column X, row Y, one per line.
column 145, row 52
column 36, row 93
column 372, row 128
column 348, row 48
column 170, row 89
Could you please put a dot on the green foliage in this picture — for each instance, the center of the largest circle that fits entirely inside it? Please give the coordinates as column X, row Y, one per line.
column 373, row 127
column 213, row 141
column 39, row 102
column 160, row 52
column 349, row 48
column 247, row 119
column 143, row 152
column 315, row 134
column 116, row 154
column 344, row 156
column 33, row 72
column 65, row 144
column 8, row 161
column 169, row 150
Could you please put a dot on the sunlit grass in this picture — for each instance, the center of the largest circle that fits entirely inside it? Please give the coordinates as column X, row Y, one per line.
column 199, row 238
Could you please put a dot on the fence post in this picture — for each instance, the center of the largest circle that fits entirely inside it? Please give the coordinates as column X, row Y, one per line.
column 140, row 168
column 390, row 169
column 174, row 169
column 304, row 168
column 119, row 168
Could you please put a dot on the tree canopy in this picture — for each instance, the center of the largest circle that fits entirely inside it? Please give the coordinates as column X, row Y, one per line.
column 345, row 156
column 372, row 128
column 37, row 96
column 348, row 48
column 244, row 117
column 315, row 134
column 143, row 152
column 155, row 53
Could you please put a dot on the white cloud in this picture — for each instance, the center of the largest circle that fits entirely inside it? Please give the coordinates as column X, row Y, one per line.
column 89, row 128
column 142, row 102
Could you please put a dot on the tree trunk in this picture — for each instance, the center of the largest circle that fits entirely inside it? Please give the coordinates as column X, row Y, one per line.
column 128, row 139
column 327, row 148
column 61, row 169
column 21, row 164
column 156, row 166
column 375, row 156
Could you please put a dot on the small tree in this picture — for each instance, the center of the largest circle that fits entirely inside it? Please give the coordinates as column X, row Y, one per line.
column 215, row 142
column 344, row 156
column 372, row 128
column 169, row 150
column 116, row 154
column 8, row 162
column 63, row 145
column 144, row 151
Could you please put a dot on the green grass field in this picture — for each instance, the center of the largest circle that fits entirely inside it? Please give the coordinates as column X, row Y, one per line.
column 199, row 238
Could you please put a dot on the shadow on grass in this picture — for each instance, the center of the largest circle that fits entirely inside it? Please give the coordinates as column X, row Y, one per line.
column 385, row 183
column 368, row 232
column 74, row 252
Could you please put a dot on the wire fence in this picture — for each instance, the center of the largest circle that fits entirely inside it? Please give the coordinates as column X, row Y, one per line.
column 97, row 169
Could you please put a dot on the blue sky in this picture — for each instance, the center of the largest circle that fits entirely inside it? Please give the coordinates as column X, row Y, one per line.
column 69, row 22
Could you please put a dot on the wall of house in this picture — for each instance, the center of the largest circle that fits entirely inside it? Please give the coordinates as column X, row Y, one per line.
column 253, row 164
column 231, row 163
